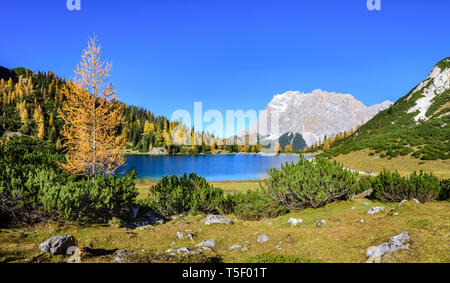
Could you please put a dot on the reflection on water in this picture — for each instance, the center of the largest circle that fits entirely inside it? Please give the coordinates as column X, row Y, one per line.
column 232, row 167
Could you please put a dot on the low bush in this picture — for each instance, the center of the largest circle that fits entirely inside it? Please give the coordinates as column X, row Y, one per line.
column 391, row 187
column 173, row 195
column 255, row 205
column 89, row 199
column 310, row 183
column 363, row 184
column 33, row 187
column 445, row 190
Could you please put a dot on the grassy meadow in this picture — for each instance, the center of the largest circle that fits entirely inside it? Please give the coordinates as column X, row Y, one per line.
column 343, row 239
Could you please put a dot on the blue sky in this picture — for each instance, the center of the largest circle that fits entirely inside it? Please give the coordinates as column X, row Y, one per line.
column 234, row 54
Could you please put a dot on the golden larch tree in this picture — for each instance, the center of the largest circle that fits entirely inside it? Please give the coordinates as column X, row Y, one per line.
column 93, row 117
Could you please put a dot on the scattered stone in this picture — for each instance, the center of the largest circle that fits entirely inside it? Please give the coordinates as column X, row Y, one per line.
column 210, row 243
column 295, row 221
column 395, row 243
column 146, row 227
column 353, row 207
column 123, row 256
column 362, row 221
column 375, row 209
column 185, row 235
column 415, row 200
column 76, row 257
column 395, row 213
column 263, row 238
column 58, row 245
column 234, row 247
column 216, row 219
column 173, row 217
column 278, row 248
column 366, row 203
column 320, row 222
column 173, row 244
column 151, row 219
column 402, row 202
column 244, row 249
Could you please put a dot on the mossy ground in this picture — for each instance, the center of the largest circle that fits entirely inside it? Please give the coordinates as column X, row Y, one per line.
column 343, row 239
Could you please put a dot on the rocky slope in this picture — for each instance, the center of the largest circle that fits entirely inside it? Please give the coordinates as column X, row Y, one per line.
column 313, row 115
column 418, row 124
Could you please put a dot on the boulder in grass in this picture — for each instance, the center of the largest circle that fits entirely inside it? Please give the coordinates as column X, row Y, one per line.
column 216, row 219
column 124, row 256
column 295, row 221
column 210, row 243
column 58, row 245
column 263, row 238
column 375, row 209
column 395, row 243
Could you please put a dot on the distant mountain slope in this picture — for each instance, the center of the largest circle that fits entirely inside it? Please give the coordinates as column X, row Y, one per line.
column 314, row 115
column 417, row 124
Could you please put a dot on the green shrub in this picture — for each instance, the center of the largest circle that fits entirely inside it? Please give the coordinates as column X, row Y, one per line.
column 173, row 195
column 276, row 258
column 363, row 184
column 310, row 183
column 88, row 199
column 445, row 190
column 33, row 187
column 255, row 205
column 391, row 187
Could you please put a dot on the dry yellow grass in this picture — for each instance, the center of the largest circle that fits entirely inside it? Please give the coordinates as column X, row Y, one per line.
column 343, row 239
column 361, row 161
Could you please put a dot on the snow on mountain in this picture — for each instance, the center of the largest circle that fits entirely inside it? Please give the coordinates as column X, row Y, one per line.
column 314, row 115
column 437, row 82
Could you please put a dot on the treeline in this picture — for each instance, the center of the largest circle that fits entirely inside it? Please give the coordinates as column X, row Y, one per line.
column 29, row 105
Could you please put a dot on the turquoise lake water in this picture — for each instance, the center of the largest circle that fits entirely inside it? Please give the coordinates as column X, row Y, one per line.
column 231, row 167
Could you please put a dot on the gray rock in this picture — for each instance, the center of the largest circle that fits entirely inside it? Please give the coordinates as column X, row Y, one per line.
column 123, row 256
column 210, row 243
column 244, row 249
column 320, row 222
column 58, row 245
column 150, row 219
column 415, row 200
column 395, row 243
column 375, row 209
column 295, row 221
column 234, row 247
column 76, row 257
column 216, row 219
column 263, row 238
column 185, row 235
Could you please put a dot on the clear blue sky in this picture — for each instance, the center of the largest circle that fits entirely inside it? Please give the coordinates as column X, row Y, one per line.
column 234, row 54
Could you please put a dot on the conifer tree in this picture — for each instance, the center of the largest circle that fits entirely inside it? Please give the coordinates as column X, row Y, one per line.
column 93, row 117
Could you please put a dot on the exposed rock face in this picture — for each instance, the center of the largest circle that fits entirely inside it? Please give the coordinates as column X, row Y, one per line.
column 313, row 115
column 58, row 245
column 437, row 83
column 395, row 243
column 217, row 219
column 158, row 151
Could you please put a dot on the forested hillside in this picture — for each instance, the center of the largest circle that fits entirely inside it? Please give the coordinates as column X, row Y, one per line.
column 418, row 124
column 29, row 104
